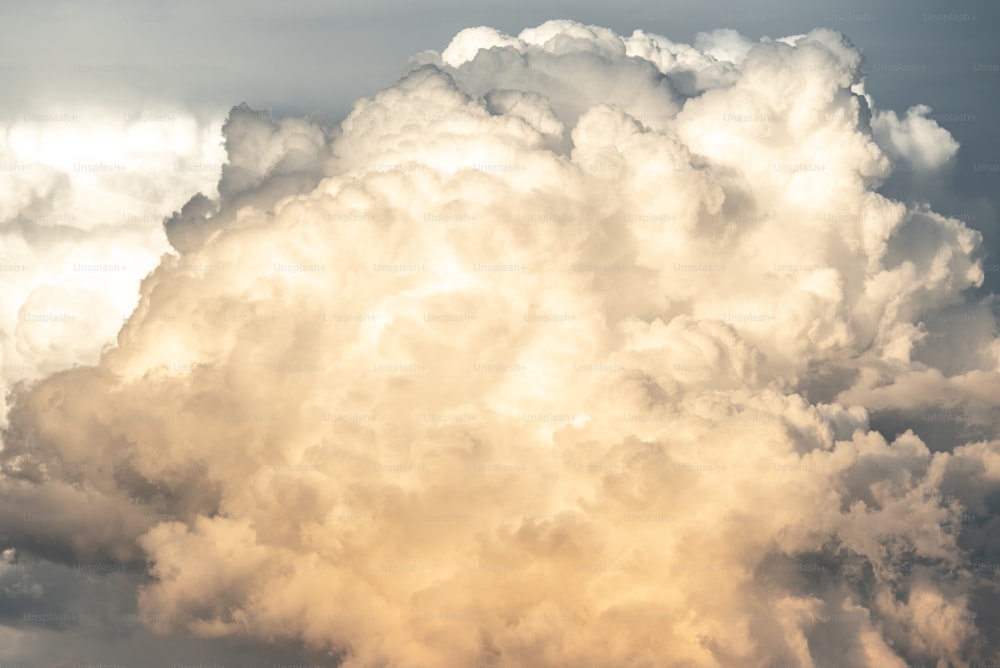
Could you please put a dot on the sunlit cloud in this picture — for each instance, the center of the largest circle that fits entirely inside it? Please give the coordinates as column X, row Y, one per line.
column 569, row 348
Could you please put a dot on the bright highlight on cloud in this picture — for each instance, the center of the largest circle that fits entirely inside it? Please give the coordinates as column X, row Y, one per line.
column 568, row 349
column 85, row 193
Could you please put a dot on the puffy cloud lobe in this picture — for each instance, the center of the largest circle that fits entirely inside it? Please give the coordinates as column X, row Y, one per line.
column 565, row 350
column 268, row 160
column 915, row 138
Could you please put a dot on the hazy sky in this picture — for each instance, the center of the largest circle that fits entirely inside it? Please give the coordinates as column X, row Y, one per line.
column 586, row 325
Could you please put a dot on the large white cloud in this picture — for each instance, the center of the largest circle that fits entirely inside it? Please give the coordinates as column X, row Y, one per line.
column 85, row 195
column 567, row 349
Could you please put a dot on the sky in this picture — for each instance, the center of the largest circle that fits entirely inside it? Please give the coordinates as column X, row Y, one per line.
column 499, row 334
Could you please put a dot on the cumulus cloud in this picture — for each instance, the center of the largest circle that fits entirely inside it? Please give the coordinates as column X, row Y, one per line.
column 85, row 193
column 567, row 349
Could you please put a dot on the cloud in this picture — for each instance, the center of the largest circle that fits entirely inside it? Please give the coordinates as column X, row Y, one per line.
column 86, row 191
column 567, row 349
